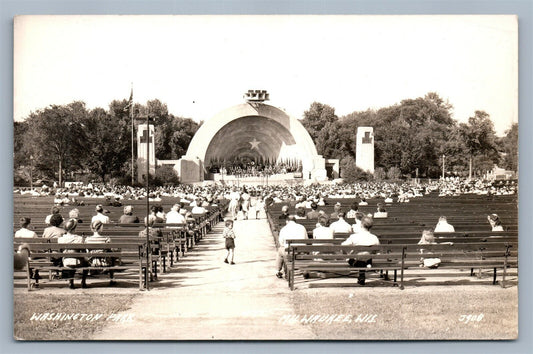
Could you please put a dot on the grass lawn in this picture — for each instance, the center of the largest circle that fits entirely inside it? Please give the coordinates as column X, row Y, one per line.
column 28, row 304
column 434, row 312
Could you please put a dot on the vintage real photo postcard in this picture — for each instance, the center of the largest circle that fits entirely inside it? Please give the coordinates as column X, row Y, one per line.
column 273, row 177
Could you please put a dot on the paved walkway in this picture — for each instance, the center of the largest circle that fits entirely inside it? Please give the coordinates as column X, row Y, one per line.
column 204, row 298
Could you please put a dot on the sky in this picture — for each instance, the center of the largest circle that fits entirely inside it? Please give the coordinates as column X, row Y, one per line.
column 200, row 65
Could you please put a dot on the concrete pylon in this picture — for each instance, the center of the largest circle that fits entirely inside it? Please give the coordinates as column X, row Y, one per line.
column 142, row 140
column 364, row 154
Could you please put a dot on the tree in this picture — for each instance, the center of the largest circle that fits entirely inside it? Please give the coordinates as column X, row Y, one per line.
column 316, row 118
column 182, row 134
column 510, row 148
column 165, row 175
column 456, row 160
column 350, row 173
column 56, row 136
column 479, row 138
column 107, row 144
column 410, row 135
column 20, row 149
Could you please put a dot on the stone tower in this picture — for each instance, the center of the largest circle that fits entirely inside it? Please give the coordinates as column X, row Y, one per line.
column 364, row 155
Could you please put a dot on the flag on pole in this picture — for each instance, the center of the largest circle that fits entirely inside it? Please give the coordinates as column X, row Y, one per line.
column 130, row 101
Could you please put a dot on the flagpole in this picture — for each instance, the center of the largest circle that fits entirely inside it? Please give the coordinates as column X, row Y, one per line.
column 132, row 137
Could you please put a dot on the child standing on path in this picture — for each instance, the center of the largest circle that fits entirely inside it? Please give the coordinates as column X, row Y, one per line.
column 229, row 236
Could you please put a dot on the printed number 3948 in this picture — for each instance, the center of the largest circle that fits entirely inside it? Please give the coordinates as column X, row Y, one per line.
column 470, row 318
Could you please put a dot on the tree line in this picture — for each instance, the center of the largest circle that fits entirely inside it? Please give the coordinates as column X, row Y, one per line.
column 412, row 136
column 71, row 142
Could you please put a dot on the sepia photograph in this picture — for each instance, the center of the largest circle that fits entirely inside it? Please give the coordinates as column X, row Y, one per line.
column 265, row 177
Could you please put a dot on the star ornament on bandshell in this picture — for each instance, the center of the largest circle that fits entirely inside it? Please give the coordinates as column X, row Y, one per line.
column 255, row 144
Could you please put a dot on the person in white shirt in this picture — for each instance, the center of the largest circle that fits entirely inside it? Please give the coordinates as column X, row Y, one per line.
column 24, row 231
column 353, row 210
column 198, row 209
column 443, row 226
column 362, row 238
column 290, row 231
column 381, row 212
column 174, row 216
column 233, row 206
column 322, row 232
column 72, row 262
column 495, row 223
column 245, row 204
column 357, row 226
column 55, row 210
column 340, row 226
column 100, row 215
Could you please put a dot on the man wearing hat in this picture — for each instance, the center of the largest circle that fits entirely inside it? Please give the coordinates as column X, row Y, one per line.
column 128, row 217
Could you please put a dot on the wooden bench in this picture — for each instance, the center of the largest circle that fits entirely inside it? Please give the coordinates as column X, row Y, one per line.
column 490, row 256
column 124, row 256
column 333, row 259
column 328, row 256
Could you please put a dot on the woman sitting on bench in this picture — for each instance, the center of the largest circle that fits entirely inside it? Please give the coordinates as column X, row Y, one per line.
column 495, row 222
column 428, row 238
column 72, row 262
column 97, row 227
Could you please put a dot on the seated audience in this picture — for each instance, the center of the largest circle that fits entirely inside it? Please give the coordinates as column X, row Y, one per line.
column 341, row 226
column 300, row 213
column 198, row 208
column 322, row 231
column 20, row 258
column 174, row 216
column 357, row 226
column 284, row 213
column 495, row 222
column 75, row 214
column 313, row 214
column 97, row 227
column 290, row 231
column 381, row 212
column 362, row 238
column 353, row 210
column 54, row 230
column 428, row 238
column 336, row 210
column 72, row 262
column 128, row 217
column 153, row 232
column 55, row 210
column 100, row 215
column 443, row 226
column 24, row 231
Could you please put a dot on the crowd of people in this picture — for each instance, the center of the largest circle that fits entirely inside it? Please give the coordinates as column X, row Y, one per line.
column 390, row 191
column 329, row 226
column 253, row 169
column 306, row 199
